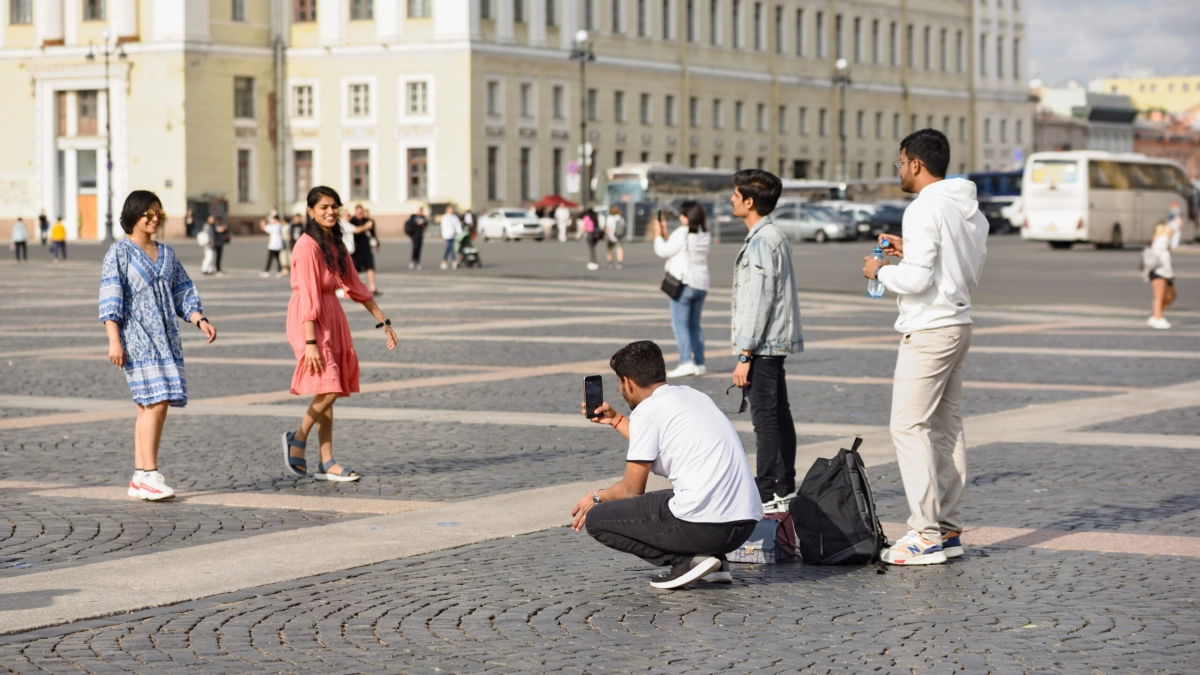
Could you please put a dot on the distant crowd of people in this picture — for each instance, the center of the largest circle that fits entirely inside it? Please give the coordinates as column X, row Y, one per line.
column 55, row 235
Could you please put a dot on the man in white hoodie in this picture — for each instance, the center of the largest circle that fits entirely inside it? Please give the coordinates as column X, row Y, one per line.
column 941, row 254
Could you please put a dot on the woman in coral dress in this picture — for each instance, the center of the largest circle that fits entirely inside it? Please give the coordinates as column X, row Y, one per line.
column 327, row 366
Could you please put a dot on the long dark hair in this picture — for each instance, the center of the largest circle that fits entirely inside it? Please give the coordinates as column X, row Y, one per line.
column 332, row 246
column 137, row 203
column 695, row 215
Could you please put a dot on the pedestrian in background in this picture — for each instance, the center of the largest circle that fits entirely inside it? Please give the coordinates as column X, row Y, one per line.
column 364, row 247
column 614, row 236
column 205, row 238
column 686, row 250
column 189, row 223
column 295, row 229
column 1158, row 270
column 223, row 237
column 451, row 226
column 274, row 230
column 562, row 219
column 1175, row 221
column 590, row 226
column 20, row 240
column 43, row 226
column 326, row 363
column 143, row 291
column 766, row 329
column 942, row 247
column 414, row 227
column 58, row 240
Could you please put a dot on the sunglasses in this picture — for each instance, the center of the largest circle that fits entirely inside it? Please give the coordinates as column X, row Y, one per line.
column 152, row 213
column 745, row 397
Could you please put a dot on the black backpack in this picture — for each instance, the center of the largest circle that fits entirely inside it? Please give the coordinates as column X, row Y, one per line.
column 834, row 513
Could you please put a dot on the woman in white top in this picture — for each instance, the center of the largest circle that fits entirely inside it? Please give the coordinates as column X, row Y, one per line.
column 274, row 230
column 20, row 240
column 686, row 251
column 1156, row 263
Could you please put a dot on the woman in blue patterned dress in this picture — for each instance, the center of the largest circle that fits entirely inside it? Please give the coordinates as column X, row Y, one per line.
column 143, row 288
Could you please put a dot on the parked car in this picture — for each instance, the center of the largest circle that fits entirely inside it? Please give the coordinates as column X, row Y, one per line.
column 859, row 212
column 800, row 221
column 889, row 217
column 511, row 224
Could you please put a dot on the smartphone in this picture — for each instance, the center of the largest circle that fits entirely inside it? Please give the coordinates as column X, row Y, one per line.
column 593, row 394
column 659, row 217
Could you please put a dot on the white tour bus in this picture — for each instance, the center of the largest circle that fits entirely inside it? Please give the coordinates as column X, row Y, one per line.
column 1108, row 199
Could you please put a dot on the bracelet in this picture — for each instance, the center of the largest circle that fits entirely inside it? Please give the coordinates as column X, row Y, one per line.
column 203, row 319
column 310, row 342
column 618, row 422
column 386, row 322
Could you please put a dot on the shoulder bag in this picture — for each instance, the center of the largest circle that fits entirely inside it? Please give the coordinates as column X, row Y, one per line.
column 670, row 285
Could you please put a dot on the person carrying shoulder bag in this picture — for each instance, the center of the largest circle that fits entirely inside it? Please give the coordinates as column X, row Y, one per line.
column 686, row 250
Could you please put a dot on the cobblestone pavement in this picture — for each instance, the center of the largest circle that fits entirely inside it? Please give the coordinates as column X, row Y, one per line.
column 495, row 365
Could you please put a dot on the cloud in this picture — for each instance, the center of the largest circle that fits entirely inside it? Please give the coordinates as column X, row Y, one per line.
column 1086, row 39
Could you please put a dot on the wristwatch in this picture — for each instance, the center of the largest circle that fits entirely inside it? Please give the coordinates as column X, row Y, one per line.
column 596, row 497
column 742, row 358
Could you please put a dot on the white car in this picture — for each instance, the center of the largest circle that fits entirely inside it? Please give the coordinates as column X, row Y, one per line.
column 510, row 224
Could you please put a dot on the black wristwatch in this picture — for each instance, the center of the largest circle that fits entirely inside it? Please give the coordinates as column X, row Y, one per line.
column 742, row 358
column 596, row 497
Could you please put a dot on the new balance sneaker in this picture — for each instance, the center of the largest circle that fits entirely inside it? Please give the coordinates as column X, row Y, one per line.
column 952, row 544
column 686, row 572
column 720, row 576
column 135, row 484
column 913, row 549
column 154, row 488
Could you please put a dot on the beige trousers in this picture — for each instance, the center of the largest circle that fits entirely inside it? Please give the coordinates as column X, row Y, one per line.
column 927, row 427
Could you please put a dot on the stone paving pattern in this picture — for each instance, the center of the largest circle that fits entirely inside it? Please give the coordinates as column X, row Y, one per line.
column 1184, row 421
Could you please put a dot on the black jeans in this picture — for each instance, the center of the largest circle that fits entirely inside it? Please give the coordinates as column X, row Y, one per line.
column 417, row 243
column 273, row 256
column 645, row 527
column 774, row 430
column 219, row 250
column 21, row 249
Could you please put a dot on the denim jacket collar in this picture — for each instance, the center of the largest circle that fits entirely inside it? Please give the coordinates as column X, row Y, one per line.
column 762, row 222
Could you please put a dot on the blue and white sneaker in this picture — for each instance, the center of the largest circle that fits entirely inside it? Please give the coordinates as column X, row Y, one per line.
column 952, row 544
column 913, row 549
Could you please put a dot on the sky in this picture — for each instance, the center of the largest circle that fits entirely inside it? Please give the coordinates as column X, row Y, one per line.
column 1086, row 39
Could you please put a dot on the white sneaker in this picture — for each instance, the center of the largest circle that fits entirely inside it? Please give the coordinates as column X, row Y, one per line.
column 913, row 549
column 264, row 274
column 1159, row 324
column 444, row 265
column 701, row 370
column 454, row 265
column 135, row 484
column 779, row 504
column 686, row 369
column 593, row 266
column 154, row 488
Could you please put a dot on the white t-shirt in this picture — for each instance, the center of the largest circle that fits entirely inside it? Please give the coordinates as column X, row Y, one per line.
column 274, row 236
column 451, row 226
column 693, row 444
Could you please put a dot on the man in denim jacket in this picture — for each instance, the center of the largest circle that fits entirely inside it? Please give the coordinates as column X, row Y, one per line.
column 766, row 328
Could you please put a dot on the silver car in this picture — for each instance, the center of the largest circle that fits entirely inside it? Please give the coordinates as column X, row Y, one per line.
column 511, row 224
column 800, row 221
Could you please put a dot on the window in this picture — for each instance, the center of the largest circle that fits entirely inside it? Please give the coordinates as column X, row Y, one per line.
column 928, row 52
column 95, row 10
column 518, row 11
column 88, row 112
column 419, row 9
column 760, row 114
column 999, row 56
column 943, row 59
column 803, row 124
column 360, row 100
column 896, row 126
column 799, row 169
column 556, row 171
column 493, row 169
column 360, row 174
column 619, row 106
column 717, row 121
column 858, row 50
column 1016, row 60
column 302, row 101
column 875, row 41
column 782, row 113
column 557, row 101
column 690, row 21
column 237, row 10
column 418, row 173
column 716, row 162
column 593, row 105
column 820, row 28
column 60, row 114
column 304, row 11
column 641, row 18
column 958, row 51
column 666, row 19
column 1020, row 131
column 1003, row 131
column 801, row 44
column 362, row 10
column 737, row 24
column 485, row 9
column 929, row 122
column 616, row 15
column 779, row 29
column 492, row 98
column 983, row 54
column 243, row 98
column 526, row 100
column 694, row 112
column 879, row 169
column 645, row 109
column 912, row 124
column 911, row 44
column 893, row 47
column 737, row 163
column 618, row 158
column 822, row 122
column 838, row 49
column 878, row 125
column 416, row 99
column 302, row 164
column 946, row 126
column 693, row 160
column 714, row 35
column 962, row 129
column 243, row 176
column 758, row 27
column 739, row 115
column 858, row 170
column 551, row 19
column 987, row 130
column 669, row 109
column 20, row 12
column 526, row 178
column 645, row 157
column 861, row 124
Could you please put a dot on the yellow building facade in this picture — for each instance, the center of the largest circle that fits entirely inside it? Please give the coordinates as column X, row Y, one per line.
column 1172, row 94
column 245, row 104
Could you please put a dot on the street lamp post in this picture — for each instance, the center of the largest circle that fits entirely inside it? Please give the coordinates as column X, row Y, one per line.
column 107, row 53
column 841, row 78
column 583, row 53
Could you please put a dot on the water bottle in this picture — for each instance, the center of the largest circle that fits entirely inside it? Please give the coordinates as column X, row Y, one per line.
column 875, row 288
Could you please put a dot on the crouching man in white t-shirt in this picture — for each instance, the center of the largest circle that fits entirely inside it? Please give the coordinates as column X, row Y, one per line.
column 679, row 433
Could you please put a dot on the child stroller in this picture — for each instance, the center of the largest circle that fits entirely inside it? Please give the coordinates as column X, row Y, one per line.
column 468, row 255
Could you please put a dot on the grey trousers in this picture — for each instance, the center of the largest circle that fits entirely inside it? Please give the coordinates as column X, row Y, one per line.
column 927, row 427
